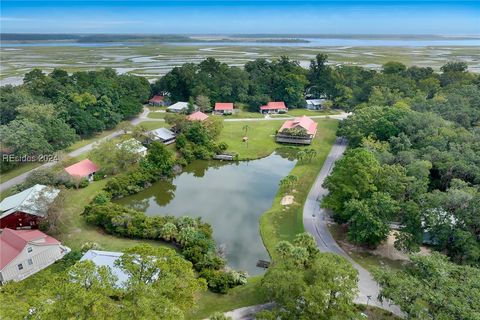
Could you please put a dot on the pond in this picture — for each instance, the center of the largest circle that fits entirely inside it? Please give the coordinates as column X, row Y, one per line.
column 230, row 196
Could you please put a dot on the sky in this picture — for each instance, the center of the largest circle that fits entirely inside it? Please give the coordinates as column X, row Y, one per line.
column 227, row 17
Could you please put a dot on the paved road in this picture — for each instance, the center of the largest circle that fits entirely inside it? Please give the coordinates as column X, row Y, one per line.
column 20, row 178
column 315, row 222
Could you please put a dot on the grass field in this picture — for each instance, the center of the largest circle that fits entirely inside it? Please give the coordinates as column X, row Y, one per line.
column 157, row 115
column 284, row 222
column 240, row 114
column 261, row 141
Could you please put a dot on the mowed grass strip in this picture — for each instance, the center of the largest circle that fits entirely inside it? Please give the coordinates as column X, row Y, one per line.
column 284, row 222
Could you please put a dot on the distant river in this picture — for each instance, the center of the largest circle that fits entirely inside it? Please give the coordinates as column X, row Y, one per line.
column 312, row 42
column 230, row 196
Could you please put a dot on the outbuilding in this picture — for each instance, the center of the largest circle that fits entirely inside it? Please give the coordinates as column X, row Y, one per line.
column 83, row 169
column 274, row 107
column 26, row 209
column 223, row 108
column 157, row 101
column 197, row 116
column 163, row 135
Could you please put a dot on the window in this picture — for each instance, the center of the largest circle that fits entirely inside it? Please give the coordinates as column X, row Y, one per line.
column 20, row 266
column 30, row 262
column 29, row 249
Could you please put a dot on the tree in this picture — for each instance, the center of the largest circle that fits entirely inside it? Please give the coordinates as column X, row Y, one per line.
column 25, row 138
column 368, row 223
column 431, row 287
column 114, row 157
column 393, row 67
column 161, row 283
column 190, row 106
column 304, row 283
column 353, row 177
column 203, row 102
column 159, row 158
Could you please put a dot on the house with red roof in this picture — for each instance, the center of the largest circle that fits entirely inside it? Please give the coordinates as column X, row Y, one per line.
column 26, row 209
column 157, row 101
column 83, row 169
column 25, row 252
column 223, row 108
column 197, row 116
column 274, row 107
column 300, row 130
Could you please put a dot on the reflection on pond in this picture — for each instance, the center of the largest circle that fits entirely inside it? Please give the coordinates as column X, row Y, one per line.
column 230, row 196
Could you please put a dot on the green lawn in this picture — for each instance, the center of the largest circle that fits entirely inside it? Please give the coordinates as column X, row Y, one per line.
column 242, row 296
column 284, row 222
column 306, row 112
column 157, row 115
column 150, row 125
column 261, row 140
column 240, row 114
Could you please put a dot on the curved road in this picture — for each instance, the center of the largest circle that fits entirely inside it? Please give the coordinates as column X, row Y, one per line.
column 315, row 222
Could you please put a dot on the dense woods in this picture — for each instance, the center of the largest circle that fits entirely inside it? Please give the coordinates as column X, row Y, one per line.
column 414, row 159
column 49, row 112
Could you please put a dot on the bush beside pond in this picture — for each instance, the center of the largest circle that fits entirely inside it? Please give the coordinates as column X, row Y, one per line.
column 191, row 235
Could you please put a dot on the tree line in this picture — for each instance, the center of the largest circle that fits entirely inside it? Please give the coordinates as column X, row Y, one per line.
column 48, row 112
column 414, row 161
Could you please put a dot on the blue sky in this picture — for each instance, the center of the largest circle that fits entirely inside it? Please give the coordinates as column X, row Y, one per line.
column 222, row 17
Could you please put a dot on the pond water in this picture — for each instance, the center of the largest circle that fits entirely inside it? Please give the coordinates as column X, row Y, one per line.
column 230, row 196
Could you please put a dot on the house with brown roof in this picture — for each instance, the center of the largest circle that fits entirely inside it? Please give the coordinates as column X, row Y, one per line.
column 300, row 130
column 197, row 116
column 223, row 108
column 25, row 252
column 274, row 107
column 83, row 169
column 26, row 209
column 157, row 101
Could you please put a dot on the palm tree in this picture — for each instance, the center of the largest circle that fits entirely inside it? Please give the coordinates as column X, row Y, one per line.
column 168, row 231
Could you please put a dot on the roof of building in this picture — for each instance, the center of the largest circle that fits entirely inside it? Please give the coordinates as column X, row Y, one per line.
column 107, row 258
column 34, row 200
column 315, row 102
column 179, row 106
column 303, row 122
column 82, row 169
column 13, row 242
column 156, row 98
column 163, row 133
column 132, row 145
column 274, row 105
column 219, row 106
column 197, row 116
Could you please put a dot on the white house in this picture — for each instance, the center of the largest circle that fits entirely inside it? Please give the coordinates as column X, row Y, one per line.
column 107, row 259
column 315, row 104
column 180, row 107
column 25, row 252
column 163, row 135
column 133, row 145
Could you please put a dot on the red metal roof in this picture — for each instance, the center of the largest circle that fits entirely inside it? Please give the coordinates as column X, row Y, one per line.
column 82, row 168
column 272, row 105
column 304, row 122
column 197, row 116
column 156, row 98
column 12, row 242
column 223, row 106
